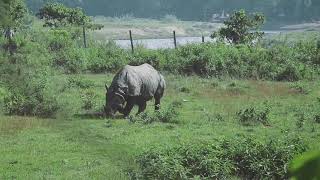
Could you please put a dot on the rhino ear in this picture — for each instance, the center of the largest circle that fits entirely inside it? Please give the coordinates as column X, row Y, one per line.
column 106, row 87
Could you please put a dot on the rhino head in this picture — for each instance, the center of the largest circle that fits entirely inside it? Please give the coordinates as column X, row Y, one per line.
column 114, row 102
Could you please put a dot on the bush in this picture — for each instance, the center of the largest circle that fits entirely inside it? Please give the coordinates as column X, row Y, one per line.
column 31, row 95
column 256, row 160
column 167, row 115
column 80, row 82
column 243, row 157
column 254, row 115
column 72, row 60
column 280, row 63
column 106, row 57
column 88, row 99
column 143, row 55
column 26, row 76
column 300, row 87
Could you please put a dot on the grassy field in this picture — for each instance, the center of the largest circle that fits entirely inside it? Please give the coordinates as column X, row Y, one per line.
column 91, row 147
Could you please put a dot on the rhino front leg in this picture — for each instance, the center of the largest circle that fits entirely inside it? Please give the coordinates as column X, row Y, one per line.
column 142, row 106
column 126, row 111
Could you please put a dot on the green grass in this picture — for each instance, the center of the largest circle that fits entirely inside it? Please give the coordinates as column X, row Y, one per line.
column 85, row 147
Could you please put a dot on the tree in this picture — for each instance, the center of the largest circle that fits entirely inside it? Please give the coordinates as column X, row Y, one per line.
column 241, row 28
column 12, row 13
column 57, row 15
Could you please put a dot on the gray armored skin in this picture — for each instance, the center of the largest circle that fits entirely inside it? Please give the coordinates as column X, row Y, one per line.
column 134, row 85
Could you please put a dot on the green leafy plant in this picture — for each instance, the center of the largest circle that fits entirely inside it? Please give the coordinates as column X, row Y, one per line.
column 165, row 115
column 80, row 82
column 254, row 115
column 88, row 99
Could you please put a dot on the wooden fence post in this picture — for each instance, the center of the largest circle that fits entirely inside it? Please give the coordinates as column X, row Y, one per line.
column 174, row 39
column 130, row 34
column 84, row 37
column 202, row 39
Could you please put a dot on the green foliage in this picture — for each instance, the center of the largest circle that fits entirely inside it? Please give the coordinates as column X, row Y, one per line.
column 75, row 60
column 254, row 115
column 306, row 166
column 106, row 57
column 143, row 55
column 30, row 94
column 301, row 88
column 89, row 98
column 12, row 13
column 280, row 63
column 80, row 82
column 244, row 157
column 26, row 76
column 58, row 15
column 59, row 40
column 167, row 115
column 238, row 28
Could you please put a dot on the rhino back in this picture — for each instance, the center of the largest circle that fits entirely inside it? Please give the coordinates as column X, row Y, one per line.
column 141, row 80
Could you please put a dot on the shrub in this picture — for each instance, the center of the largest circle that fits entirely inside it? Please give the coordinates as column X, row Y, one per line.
column 26, row 76
column 289, row 73
column 185, row 162
column 221, row 159
column 143, row 55
column 300, row 88
column 167, row 115
column 106, row 57
column 59, row 40
column 79, row 81
column 254, row 115
column 88, row 99
column 30, row 96
column 256, row 160
column 213, row 117
column 72, row 60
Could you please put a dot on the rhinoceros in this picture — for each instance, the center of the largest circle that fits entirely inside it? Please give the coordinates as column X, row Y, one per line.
column 134, row 85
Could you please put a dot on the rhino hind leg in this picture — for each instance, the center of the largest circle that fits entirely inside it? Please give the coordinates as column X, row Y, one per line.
column 157, row 103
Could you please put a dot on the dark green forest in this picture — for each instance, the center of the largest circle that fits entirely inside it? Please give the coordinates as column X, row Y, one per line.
column 275, row 10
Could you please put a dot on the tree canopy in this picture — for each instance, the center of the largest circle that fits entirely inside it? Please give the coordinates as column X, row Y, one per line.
column 58, row 15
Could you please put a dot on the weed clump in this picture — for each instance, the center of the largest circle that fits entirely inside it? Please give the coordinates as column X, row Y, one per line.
column 167, row 115
column 254, row 115
column 89, row 98
column 300, row 88
column 80, row 82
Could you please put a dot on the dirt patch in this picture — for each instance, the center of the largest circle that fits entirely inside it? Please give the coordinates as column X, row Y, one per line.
column 15, row 124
